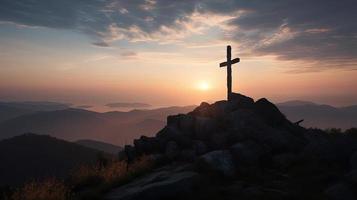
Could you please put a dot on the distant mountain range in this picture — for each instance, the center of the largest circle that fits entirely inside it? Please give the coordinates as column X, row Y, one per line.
column 320, row 116
column 30, row 156
column 10, row 110
column 101, row 146
column 120, row 128
column 75, row 124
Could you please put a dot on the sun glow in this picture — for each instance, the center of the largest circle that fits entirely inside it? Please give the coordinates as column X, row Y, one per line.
column 203, row 86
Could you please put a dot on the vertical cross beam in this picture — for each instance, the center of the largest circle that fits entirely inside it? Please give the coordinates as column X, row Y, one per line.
column 229, row 72
column 229, row 64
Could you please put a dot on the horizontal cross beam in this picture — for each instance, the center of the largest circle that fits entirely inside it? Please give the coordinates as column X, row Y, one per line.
column 236, row 60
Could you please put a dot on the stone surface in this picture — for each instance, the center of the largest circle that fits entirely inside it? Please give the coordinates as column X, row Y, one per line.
column 218, row 162
column 340, row 191
column 157, row 185
column 172, row 150
column 247, row 153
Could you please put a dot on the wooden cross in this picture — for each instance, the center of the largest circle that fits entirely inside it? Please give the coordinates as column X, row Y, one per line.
column 229, row 64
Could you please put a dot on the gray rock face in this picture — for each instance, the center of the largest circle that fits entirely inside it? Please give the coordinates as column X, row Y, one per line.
column 162, row 184
column 219, row 162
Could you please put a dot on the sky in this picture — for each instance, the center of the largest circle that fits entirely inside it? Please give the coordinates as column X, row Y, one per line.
column 167, row 52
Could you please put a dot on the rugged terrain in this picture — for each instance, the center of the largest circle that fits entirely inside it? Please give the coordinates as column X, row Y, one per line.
column 242, row 149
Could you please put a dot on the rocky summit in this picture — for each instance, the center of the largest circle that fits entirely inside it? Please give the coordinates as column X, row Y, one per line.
column 241, row 149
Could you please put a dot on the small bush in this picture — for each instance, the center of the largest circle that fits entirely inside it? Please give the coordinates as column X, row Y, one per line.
column 49, row 189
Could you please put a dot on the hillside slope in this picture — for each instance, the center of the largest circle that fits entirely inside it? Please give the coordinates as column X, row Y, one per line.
column 31, row 156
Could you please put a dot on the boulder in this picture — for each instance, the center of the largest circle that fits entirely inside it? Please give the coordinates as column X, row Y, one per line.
column 218, row 140
column 340, row 191
column 204, row 110
column 284, row 160
column 353, row 161
column 217, row 162
column 187, row 155
column 200, row 147
column 184, row 123
column 172, row 150
column 163, row 184
column 240, row 101
column 352, row 176
column 269, row 113
column 204, row 127
column 146, row 145
column 247, row 154
column 169, row 133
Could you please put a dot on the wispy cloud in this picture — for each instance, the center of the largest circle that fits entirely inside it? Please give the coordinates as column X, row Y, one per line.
column 322, row 31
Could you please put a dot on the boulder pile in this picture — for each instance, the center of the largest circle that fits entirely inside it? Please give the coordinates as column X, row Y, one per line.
column 242, row 148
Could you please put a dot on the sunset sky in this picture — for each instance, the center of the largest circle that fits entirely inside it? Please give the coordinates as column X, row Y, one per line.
column 167, row 52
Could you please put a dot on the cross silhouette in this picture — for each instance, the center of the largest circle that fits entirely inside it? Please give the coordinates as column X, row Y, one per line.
column 229, row 64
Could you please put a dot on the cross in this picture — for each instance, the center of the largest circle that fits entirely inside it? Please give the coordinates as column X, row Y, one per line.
column 229, row 63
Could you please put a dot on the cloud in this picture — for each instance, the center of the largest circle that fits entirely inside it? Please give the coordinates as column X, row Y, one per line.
column 128, row 105
column 128, row 54
column 304, row 30
column 101, row 44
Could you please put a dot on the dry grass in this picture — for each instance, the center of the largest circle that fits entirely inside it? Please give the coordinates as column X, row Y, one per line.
column 49, row 189
column 113, row 171
column 86, row 182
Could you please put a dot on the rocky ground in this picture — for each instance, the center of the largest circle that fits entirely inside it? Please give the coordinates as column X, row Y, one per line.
column 241, row 149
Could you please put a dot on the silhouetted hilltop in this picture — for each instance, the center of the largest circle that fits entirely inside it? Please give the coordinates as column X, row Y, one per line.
column 32, row 156
column 242, row 149
column 9, row 110
column 101, row 146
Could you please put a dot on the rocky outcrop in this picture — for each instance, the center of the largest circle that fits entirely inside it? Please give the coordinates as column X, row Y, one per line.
column 252, row 147
column 164, row 183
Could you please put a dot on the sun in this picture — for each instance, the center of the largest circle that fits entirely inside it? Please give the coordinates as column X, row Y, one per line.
column 203, row 86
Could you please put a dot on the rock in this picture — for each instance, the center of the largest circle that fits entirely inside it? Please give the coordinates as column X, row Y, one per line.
column 284, row 160
column 188, row 155
column 204, row 110
column 352, row 176
column 218, row 140
column 219, row 162
column 200, row 147
column 130, row 153
column 240, row 101
column 166, row 184
column 204, row 127
column 269, row 112
column 184, row 123
column 146, row 145
column 353, row 161
column 172, row 150
column 253, row 192
column 244, row 119
column 340, row 191
column 247, row 153
column 169, row 133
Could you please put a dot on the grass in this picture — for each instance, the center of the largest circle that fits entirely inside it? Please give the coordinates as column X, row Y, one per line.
column 49, row 189
column 84, row 183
